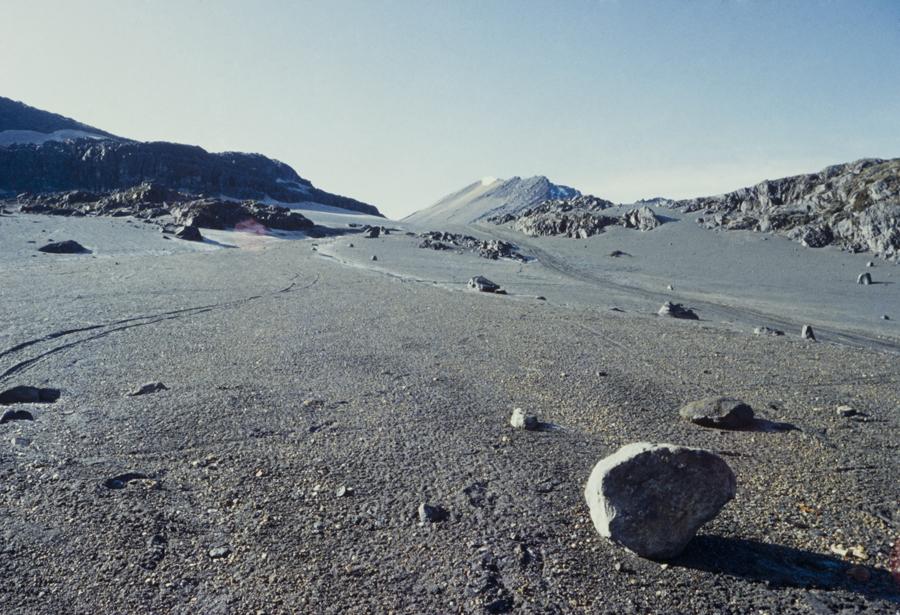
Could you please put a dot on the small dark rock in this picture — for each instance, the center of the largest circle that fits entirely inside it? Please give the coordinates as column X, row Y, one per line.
column 806, row 332
column 482, row 284
column 64, row 247
column 677, row 310
column 16, row 415
column 28, row 395
column 719, row 412
column 429, row 513
column 189, row 233
column 150, row 387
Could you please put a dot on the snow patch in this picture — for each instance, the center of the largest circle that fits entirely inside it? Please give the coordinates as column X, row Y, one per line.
column 32, row 137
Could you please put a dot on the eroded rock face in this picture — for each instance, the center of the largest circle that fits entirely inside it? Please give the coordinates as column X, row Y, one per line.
column 104, row 165
column 652, row 498
column 855, row 206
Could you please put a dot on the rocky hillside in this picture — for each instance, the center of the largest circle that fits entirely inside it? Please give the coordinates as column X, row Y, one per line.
column 578, row 217
column 855, row 206
column 491, row 197
column 33, row 160
column 17, row 116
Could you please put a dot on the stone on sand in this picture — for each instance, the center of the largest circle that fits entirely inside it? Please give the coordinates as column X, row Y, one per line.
column 482, row 284
column 652, row 498
column 768, row 331
column 807, row 333
column 149, row 387
column 520, row 420
column 677, row 310
column 189, row 233
column 431, row 513
column 718, row 412
column 864, row 278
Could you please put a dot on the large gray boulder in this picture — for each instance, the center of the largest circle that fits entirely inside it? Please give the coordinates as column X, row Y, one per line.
column 641, row 218
column 719, row 412
column 652, row 498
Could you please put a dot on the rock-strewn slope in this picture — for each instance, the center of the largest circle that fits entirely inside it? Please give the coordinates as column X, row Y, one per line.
column 578, row 217
column 855, row 206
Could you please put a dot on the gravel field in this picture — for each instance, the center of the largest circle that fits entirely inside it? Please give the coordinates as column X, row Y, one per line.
column 312, row 406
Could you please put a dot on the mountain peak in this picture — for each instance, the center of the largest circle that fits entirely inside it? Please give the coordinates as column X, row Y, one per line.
column 490, row 196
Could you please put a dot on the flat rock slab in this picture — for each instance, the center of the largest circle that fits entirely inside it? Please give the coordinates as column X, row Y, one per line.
column 719, row 412
column 652, row 498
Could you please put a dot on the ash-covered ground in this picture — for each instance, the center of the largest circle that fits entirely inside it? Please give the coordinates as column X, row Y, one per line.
column 315, row 398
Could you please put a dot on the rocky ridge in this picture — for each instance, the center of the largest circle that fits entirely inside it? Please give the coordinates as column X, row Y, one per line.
column 105, row 163
column 578, row 217
column 854, row 206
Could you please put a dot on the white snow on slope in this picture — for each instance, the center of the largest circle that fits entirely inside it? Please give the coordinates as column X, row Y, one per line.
column 10, row 137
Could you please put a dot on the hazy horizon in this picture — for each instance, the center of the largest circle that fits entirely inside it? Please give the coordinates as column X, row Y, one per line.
column 402, row 103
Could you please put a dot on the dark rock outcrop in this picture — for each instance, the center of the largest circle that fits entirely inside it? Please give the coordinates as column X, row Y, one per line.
column 155, row 202
column 854, row 206
column 492, row 249
column 580, row 217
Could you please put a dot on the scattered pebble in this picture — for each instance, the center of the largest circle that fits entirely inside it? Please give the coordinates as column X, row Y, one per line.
column 219, row 552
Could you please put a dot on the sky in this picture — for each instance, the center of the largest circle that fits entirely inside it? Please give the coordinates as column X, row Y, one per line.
column 399, row 103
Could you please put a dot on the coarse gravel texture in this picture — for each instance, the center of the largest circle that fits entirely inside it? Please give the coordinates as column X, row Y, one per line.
column 291, row 375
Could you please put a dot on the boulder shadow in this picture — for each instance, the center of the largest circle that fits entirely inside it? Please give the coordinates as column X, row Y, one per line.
column 781, row 566
column 765, row 425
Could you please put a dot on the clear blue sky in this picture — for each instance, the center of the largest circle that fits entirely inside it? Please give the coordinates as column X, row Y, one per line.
column 398, row 103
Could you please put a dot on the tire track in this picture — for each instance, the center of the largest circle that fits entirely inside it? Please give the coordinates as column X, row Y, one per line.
column 115, row 326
